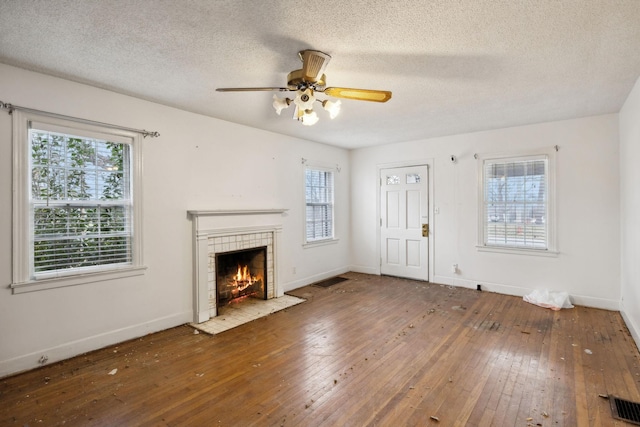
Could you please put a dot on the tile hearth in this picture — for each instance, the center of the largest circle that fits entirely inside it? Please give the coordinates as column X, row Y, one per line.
column 250, row 309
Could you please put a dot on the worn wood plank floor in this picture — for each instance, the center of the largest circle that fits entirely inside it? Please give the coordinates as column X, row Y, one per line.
column 371, row 351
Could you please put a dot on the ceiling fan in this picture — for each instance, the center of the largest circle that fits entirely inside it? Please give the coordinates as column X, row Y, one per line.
column 309, row 81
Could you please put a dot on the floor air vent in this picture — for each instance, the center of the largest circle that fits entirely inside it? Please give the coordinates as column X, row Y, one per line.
column 330, row 282
column 625, row 410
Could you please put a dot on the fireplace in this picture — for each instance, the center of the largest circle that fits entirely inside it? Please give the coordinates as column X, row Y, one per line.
column 218, row 232
column 241, row 274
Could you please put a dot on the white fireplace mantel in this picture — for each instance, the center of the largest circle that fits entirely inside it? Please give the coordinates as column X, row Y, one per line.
column 209, row 224
column 223, row 212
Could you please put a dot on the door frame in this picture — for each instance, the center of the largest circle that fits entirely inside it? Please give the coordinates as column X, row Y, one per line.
column 429, row 162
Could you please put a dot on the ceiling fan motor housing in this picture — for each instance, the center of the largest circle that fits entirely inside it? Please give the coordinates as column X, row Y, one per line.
column 296, row 80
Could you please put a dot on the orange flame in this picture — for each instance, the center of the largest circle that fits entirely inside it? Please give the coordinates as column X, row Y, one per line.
column 243, row 279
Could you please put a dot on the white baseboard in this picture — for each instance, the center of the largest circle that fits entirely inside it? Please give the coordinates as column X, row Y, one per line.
column 364, row 270
column 289, row 286
column 75, row 348
column 582, row 300
column 602, row 303
column 453, row 281
column 633, row 328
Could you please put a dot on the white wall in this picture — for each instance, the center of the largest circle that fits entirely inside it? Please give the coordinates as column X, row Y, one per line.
column 197, row 163
column 630, row 210
column 588, row 207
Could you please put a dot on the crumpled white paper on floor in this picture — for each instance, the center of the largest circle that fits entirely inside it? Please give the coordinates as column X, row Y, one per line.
column 548, row 299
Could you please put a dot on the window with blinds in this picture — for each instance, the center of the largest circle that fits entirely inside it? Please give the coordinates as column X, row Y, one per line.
column 319, row 204
column 80, row 202
column 515, row 202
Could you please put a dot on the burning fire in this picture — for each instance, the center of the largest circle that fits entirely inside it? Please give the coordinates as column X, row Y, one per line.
column 243, row 279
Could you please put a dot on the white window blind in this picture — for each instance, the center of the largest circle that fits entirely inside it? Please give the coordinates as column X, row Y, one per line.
column 80, row 202
column 319, row 204
column 515, row 202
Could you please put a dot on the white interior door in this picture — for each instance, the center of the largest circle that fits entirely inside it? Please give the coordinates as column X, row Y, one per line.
column 404, row 242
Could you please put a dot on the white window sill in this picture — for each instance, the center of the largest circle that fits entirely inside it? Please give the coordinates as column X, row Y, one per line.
column 320, row 243
column 518, row 251
column 76, row 279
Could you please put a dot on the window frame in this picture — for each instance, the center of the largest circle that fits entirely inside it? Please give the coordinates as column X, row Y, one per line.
column 325, row 240
column 548, row 153
column 24, row 278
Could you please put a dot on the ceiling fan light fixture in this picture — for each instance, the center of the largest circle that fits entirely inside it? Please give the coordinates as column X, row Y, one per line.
column 305, row 99
column 333, row 107
column 280, row 103
column 307, row 80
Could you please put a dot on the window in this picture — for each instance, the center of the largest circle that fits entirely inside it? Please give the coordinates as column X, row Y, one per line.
column 76, row 197
column 516, row 203
column 319, row 204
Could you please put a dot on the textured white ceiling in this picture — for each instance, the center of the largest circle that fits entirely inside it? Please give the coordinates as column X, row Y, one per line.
column 453, row 66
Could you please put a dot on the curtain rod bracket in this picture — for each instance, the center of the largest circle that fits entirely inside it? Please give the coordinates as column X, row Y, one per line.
column 6, row 106
column 146, row 133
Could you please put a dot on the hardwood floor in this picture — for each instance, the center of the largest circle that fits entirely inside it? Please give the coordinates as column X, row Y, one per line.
column 371, row 351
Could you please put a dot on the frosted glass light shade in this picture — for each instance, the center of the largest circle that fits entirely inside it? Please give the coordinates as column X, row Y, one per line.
column 332, row 107
column 280, row 103
column 309, row 118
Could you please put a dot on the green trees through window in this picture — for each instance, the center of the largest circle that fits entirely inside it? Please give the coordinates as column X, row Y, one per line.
column 81, row 201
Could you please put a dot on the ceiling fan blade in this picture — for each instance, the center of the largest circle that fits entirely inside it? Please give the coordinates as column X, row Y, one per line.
column 314, row 63
column 252, row 89
column 359, row 94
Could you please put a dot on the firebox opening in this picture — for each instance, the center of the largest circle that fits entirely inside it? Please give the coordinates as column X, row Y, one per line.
column 241, row 274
